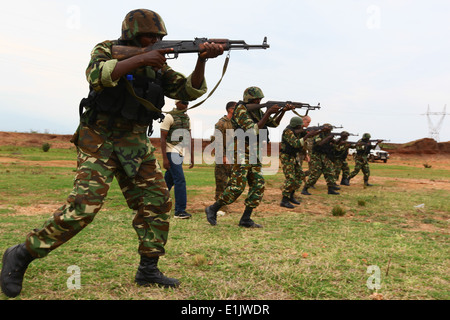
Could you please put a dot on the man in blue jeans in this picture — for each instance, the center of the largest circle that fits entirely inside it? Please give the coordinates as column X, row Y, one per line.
column 175, row 138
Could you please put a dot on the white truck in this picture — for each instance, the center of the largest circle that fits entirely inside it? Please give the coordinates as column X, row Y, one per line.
column 375, row 154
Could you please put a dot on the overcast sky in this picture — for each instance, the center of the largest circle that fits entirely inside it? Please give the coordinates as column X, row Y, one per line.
column 374, row 66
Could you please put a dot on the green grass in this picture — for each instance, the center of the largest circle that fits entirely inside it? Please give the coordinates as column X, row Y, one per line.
column 300, row 254
column 37, row 154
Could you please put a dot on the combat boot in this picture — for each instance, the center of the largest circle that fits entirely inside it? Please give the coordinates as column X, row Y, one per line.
column 148, row 274
column 367, row 184
column 14, row 264
column 211, row 213
column 292, row 198
column 285, row 203
column 345, row 182
column 246, row 221
column 305, row 191
column 331, row 190
column 336, row 187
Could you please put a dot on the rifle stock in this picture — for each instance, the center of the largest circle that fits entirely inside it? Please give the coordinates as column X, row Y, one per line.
column 121, row 52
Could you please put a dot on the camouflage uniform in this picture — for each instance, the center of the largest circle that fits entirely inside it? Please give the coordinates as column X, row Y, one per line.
column 112, row 142
column 292, row 145
column 115, row 144
column 222, row 171
column 247, row 166
column 321, row 163
column 361, row 162
column 244, row 168
column 340, row 161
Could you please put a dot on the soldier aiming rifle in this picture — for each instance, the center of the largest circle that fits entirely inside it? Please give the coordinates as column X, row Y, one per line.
column 363, row 148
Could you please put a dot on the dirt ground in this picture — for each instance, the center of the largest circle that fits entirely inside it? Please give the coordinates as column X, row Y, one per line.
column 415, row 154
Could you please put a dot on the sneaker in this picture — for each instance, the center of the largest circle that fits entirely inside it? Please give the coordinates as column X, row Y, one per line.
column 182, row 215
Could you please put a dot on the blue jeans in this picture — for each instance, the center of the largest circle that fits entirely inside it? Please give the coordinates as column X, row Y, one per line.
column 175, row 177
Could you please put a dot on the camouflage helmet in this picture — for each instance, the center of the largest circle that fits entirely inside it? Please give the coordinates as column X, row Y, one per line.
column 253, row 93
column 328, row 126
column 366, row 136
column 295, row 122
column 142, row 21
column 345, row 133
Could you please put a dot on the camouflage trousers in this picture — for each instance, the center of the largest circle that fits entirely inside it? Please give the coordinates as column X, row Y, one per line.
column 222, row 173
column 293, row 174
column 362, row 164
column 240, row 175
column 145, row 191
column 341, row 165
column 319, row 164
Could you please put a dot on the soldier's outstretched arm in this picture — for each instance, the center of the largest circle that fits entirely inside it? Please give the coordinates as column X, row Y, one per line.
column 212, row 50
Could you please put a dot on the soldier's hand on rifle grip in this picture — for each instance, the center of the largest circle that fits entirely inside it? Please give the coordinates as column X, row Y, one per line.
column 289, row 107
column 210, row 50
column 273, row 109
column 155, row 58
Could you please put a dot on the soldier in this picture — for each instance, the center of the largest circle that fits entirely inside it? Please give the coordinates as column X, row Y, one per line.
column 340, row 158
column 292, row 144
column 363, row 148
column 175, row 138
column 247, row 167
column 306, row 150
column 223, row 143
column 112, row 142
column 306, row 121
column 321, row 161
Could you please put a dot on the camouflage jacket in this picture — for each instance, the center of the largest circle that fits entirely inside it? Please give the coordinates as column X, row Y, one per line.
column 326, row 148
column 363, row 148
column 248, row 122
column 292, row 143
column 226, row 137
column 175, row 85
column 341, row 151
column 128, row 141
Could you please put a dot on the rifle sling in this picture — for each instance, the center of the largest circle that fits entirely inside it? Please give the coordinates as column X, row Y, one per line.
column 147, row 104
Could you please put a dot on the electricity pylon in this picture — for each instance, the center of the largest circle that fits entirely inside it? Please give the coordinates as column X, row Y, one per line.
column 435, row 129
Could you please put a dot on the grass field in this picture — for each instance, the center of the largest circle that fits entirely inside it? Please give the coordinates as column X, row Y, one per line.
column 391, row 243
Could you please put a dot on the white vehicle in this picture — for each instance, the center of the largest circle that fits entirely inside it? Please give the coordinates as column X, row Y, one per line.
column 375, row 154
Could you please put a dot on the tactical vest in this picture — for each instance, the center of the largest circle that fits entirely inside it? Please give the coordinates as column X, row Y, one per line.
column 326, row 149
column 255, row 117
column 364, row 149
column 341, row 153
column 285, row 147
column 180, row 121
column 118, row 102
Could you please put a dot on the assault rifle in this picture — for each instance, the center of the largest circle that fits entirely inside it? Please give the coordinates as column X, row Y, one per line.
column 321, row 127
column 121, row 52
column 378, row 141
column 381, row 140
column 340, row 134
column 283, row 105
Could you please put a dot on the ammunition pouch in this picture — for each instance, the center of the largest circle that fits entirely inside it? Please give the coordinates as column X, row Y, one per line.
column 118, row 102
